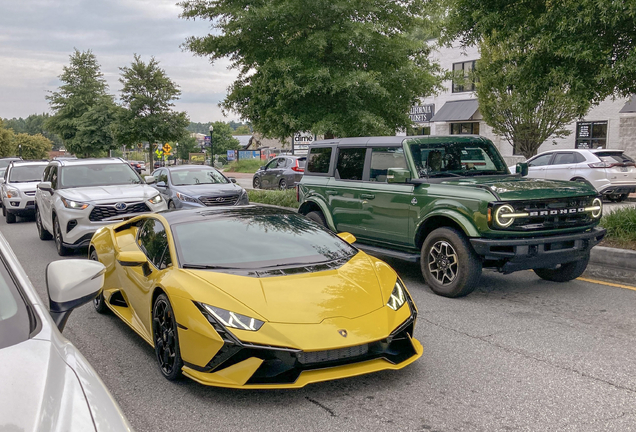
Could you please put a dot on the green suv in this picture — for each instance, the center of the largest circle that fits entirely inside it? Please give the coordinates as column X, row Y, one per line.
column 450, row 203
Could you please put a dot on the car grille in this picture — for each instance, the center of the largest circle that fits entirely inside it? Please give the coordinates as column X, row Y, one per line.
column 219, row 200
column 102, row 212
column 545, row 222
column 314, row 357
column 29, row 193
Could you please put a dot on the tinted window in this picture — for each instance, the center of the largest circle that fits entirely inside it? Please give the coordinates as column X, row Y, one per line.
column 564, row 158
column 27, row 173
column 53, row 177
column 153, row 241
column 257, row 238
column 318, row 160
column 614, row 157
column 540, row 160
column 387, row 161
column 98, row 175
column 272, row 164
column 350, row 163
column 47, row 174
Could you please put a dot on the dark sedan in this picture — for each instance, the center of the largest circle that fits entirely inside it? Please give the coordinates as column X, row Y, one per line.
column 280, row 173
column 189, row 186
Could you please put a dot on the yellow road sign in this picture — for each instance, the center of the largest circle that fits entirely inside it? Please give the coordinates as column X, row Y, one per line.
column 167, row 148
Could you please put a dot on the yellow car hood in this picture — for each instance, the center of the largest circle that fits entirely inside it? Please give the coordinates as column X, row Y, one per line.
column 350, row 291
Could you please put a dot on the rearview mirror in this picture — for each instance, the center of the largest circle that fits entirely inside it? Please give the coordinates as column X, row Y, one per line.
column 348, row 237
column 72, row 283
column 150, row 179
column 45, row 186
column 131, row 258
column 522, row 168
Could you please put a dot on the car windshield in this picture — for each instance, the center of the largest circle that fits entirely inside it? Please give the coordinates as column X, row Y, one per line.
column 98, row 175
column 253, row 240
column 15, row 324
column 5, row 162
column 456, row 158
column 195, row 176
column 26, row 173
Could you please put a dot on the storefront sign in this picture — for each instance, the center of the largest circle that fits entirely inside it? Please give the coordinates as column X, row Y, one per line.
column 422, row 113
column 301, row 142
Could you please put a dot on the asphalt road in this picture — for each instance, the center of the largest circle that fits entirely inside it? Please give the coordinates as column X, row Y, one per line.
column 518, row 354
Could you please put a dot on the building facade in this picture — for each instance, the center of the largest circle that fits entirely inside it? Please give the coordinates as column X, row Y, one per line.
column 455, row 110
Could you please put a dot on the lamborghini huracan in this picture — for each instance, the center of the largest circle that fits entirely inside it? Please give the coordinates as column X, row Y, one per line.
column 252, row 297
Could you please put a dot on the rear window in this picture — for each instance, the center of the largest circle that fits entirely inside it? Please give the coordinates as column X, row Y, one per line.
column 301, row 162
column 318, row 160
column 614, row 157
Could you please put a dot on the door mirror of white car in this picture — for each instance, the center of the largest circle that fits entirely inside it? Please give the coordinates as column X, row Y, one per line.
column 348, row 237
column 150, row 179
column 522, row 168
column 161, row 184
column 232, row 179
column 45, row 186
column 131, row 258
column 72, row 283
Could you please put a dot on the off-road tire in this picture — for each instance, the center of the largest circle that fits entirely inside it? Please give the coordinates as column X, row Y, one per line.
column 98, row 302
column 317, row 217
column 446, row 252
column 10, row 217
column 564, row 272
column 59, row 240
column 42, row 232
column 166, row 338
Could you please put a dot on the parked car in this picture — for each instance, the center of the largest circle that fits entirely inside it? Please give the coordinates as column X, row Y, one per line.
column 280, row 173
column 450, row 203
column 18, row 188
column 4, row 162
column 136, row 166
column 77, row 197
column 187, row 186
column 46, row 383
column 254, row 297
column 611, row 172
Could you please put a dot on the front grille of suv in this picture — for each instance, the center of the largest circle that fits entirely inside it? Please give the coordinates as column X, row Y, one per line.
column 219, row 200
column 570, row 220
column 106, row 211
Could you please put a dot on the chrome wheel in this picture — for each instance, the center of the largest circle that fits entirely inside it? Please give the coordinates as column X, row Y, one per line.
column 442, row 262
column 164, row 333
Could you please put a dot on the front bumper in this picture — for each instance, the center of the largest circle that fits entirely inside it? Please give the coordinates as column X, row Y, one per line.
column 23, row 205
column 537, row 252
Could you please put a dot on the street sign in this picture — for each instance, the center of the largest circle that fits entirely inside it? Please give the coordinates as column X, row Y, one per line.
column 140, row 145
column 167, row 148
column 207, row 140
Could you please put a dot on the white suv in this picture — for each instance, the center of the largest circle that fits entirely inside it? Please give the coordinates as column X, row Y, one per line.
column 611, row 172
column 79, row 196
column 18, row 188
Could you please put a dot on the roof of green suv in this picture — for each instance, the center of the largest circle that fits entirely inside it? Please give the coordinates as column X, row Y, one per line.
column 397, row 140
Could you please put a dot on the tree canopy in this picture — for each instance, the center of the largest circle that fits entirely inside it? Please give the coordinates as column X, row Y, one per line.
column 334, row 67
column 32, row 146
column 222, row 139
column 588, row 43
column 33, row 125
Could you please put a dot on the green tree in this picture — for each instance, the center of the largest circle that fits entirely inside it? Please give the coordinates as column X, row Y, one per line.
column 588, row 42
column 96, row 128
column 187, row 145
column 82, row 97
column 523, row 109
column 242, row 130
column 147, row 95
column 33, row 125
column 340, row 67
column 222, row 139
column 7, row 141
column 33, row 146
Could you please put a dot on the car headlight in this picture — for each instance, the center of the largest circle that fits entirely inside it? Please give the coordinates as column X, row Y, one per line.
column 232, row 319
column 155, row 199
column 596, row 209
column 12, row 193
column 75, row 205
column 398, row 296
column 505, row 215
column 187, row 198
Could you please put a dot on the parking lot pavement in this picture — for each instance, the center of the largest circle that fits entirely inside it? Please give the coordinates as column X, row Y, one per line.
column 520, row 353
column 242, row 179
column 609, row 207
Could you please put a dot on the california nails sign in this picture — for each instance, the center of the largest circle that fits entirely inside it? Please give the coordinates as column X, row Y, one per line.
column 422, row 113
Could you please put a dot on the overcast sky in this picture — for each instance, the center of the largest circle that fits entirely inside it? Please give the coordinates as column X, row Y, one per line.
column 38, row 36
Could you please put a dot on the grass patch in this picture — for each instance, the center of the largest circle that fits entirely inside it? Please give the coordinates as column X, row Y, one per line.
column 245, row 166
column 621, row 228
column 284, row 198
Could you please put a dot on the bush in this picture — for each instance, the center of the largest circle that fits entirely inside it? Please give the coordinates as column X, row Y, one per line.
column 245, row 166
column 621, row 227
column 284, row 198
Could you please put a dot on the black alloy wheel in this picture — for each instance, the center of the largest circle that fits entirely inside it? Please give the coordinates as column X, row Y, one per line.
column 98, row 302
column 282, row 185
column 42, row 232
column 166, row 339
column 59, row 240
column 256, row 183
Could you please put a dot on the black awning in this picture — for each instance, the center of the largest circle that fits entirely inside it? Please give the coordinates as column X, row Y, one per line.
column 457, row 111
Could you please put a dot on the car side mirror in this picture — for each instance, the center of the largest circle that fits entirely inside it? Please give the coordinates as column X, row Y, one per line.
column 348, row 237
column 45, row 186
column 263, row 168
column 131, row 258
column 232, row 179
column 161, row 184
column 522, row 168
column 70, row 284
column 150, row 179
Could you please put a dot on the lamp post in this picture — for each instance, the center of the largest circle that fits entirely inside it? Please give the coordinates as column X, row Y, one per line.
column 211, row 147
column 20, row 150
column 176, row 159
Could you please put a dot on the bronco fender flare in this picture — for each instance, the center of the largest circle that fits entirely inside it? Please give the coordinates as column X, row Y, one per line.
column 314, row 203
column 466, row 225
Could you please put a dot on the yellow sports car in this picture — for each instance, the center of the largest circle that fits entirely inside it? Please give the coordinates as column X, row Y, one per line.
column 253, row 297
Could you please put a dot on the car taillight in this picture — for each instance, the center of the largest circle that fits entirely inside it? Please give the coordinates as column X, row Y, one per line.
column 600, row 165
column 297, row 168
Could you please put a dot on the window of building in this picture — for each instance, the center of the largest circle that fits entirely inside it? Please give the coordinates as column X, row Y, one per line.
column 591, row 135
column 418, row 130
column 464, row 128
column 350, row 163
column 463, row 81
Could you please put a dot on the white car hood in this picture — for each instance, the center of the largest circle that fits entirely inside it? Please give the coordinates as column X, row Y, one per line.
column 28, row 186
column 110, row 194
column 40, row 391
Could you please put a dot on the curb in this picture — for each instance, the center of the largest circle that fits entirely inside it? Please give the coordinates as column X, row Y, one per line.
column 612, row 264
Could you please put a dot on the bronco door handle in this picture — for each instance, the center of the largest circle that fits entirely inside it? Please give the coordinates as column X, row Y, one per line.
column 331, row 192
column 367, row 196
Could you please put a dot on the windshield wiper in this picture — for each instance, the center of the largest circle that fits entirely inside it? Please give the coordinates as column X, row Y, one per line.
column 445, row 174
column 485, row 172
column 208, row 267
